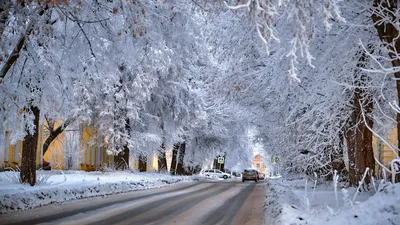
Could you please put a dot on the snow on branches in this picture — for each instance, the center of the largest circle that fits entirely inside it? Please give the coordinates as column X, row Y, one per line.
column 303, row 17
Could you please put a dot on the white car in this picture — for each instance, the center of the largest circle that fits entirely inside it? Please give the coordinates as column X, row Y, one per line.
column 217, row 173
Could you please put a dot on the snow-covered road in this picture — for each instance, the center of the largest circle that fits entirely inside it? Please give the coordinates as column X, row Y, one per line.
column 208, row 202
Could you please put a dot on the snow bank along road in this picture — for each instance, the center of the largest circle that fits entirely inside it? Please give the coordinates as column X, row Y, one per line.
column 211, row 202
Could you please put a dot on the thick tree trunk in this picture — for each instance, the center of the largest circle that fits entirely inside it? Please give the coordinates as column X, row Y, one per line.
column 359, row 138
column 174, row 158
column 29, row 147
column 389, row 35
column 162, row 159
column 142, row 163
column 179, row 167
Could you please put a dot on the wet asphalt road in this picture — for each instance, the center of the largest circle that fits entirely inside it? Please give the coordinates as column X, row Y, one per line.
column 206, row 203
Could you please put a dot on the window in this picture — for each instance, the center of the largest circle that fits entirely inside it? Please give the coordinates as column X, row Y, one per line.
column 258, row 165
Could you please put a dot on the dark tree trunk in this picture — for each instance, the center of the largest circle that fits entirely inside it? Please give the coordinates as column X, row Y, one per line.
column 359, row 138
column 162, row 159
column 179, row 167
column 174, row 158
column 142, row 163
column 389, row 36
column 359, row 134
column 29, row 147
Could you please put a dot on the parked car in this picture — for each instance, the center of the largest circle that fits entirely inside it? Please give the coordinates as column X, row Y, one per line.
column 46, row 165
column 217, row 173
column 261, row 176
column 250, row 174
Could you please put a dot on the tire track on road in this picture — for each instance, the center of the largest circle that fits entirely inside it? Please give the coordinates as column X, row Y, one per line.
column 173, row 207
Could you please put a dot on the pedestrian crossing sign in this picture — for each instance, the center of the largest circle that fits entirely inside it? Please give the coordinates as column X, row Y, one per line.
column 220, row 160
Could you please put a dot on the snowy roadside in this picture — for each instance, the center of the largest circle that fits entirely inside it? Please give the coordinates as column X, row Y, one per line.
column 289, row 202
column 61, row 187
column 281, row 205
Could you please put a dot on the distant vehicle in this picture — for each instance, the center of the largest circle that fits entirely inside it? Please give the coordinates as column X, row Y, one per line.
column 250, row 174
column 261, row 176
column 237, row 173
column 217, row 173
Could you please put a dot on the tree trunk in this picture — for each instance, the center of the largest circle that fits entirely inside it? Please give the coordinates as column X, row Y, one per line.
column 179, row 167
column 359, row 138
column 29, row 148
column 389, row 36
column 142, row 163
column 174, row 158
column 162, row 159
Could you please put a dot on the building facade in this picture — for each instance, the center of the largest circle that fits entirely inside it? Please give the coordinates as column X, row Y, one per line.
column 76, row 149
column 382, row 151
column 259, row 164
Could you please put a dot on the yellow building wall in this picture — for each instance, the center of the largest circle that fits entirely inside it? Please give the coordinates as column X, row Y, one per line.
column 14, row 155
column 55, row 153
column 91, row 157
column 382, row 151
column 257, row 160
column 93, row 150
column 153, row 166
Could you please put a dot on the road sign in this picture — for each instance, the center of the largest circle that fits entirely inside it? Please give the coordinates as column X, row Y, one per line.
column 275, row 159
column 220, row 160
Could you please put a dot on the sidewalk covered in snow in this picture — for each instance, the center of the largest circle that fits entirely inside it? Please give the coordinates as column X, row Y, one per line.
column 298, row 202
column 62, row 186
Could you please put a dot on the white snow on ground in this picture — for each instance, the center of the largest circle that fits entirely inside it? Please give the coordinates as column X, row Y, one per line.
column 286, row 203
column 70, row 185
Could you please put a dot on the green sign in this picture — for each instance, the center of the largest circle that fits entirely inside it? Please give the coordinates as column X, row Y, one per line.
column 275, row 159
column 220, row 160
